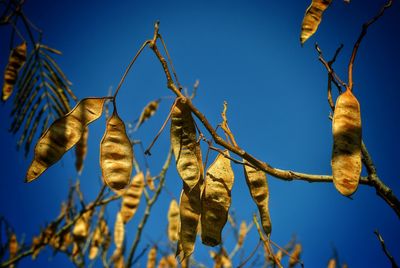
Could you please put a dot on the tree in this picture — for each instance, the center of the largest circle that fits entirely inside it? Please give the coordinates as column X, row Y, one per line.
column 245, row 130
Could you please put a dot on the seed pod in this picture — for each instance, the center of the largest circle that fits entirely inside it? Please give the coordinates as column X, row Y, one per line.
column 150, row 181
column 131, row 198
column 332, row 263
column 64, row 133
column 95, row 244
column 147, row 112
column 116, row 154
column 173, row 221
column 119, row 231
column 118, row 258
column 151, row 258
column 295, row 256
column 312, row 18
column 258, row 186
column 81, row 150
column 189, row 210
column 171, row 261
column 346, row 154
column 186, row 149
column 279, row 255
column 13, row 246
column 221, row 259
column 242, row 233
column 16, row 60
column 216, row 200
column 81, row 227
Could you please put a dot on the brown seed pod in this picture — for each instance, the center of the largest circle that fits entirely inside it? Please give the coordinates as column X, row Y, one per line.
column 95, row 244
column 189, row 210
column 116, row 154
column 173, row 221
column 242, row 233
column 64, row 133
column 81, row 150
column 118, row 258
column 147, row 112
column 346, row 153
column 119, row 231
column 131, row 197
column 216, row 200
column 81, row 227
column 16, row 60
column 186, row 149
column 151, row 258
column 13, row 246
column 312, row 18
column 295, row 256
column 258, row 186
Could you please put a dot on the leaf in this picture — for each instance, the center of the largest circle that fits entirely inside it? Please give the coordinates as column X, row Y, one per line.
column 62, row 135
column 312, row 18
column 173, row 221
column 216, row 199
column 116, row 154
column 131, row 197
column 346, row 153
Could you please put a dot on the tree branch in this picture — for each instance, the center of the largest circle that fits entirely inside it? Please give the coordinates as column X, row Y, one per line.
column 385, row 250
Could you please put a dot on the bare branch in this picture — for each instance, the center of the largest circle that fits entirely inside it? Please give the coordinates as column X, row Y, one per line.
column 385, row 250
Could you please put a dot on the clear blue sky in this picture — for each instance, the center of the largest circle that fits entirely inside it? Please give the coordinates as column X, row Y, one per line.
column 247, row 53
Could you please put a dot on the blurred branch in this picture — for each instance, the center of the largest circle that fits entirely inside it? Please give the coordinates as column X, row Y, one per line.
column 385, row 250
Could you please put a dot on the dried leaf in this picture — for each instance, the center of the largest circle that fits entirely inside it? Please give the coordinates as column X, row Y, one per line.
column 147, row 112
column 116, row 154
column 186, row 149
column 62, row 135
column 346, row 154
column 173, row 221
column 258, row 186
column 131, row 197
column 312, row 18
column 81, row 150
column 119, row 231
column 216, row 199
column 151, row 258
column 15, row 62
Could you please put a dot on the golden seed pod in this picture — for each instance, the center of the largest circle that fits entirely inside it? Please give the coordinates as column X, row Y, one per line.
column 312, row 18
column 116, row 154
column 346, row 153
column 295, row 256
column 64, row 133
column 216, row 200
column 189, row 211
column 163, row 263
column 332, row 263
column 81, row 150
column 279, row 255
column 221, row 259
column 13, row 246
column 81, row 227
column 147, row 112
column 173, row 221
column 119, row 231
column 95, row 243
column 184, row 143
column 258, row 186
column 131, row 197
column 242, row 233
column 118, row 258
column 16, row 60
column 151, row 258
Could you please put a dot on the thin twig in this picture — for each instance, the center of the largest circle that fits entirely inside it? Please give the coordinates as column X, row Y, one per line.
column 385, row 250
column 251, row 254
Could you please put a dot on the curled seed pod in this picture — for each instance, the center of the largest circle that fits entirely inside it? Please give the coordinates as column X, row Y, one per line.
column 64, row 133
column 151, row 258
column 346, row 153
column 185, row 146
column 173, row 221
column 116, row 154
column 119, row 231
column 15, row 62
column 131, row 197
column 81, row 227
column 295, row 256
column 242, row 233
column 13, row 245
column 258, row 186
column 216, row 200
column 189, row 211
column 312, row 18
column 332, row 263
column 81, row 150
column 147, row 112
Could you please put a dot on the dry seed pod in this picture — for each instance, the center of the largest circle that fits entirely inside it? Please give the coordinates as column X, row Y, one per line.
column 163, row 263
column 150, row 181
column 118, row 258
column 279, row 255
column 189, row 210
column 116, row 154
column 64, row 133
column 81, row 227
column 242, row 233
column 312, row 18
column 295, row 256
column 332, row 263
column 147, row 112
column 13, row 246
column 171, row 261
column 131, row 197
column 258, row 186
column 151, row 258
column 221, row 259
column 173, row 221
column 81, row 150
column 346, row 154
column 15, row 62
column 119, row 231
column 185, row 146
column 216, row 200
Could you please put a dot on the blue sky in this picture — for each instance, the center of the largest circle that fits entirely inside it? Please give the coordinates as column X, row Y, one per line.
column 247, row 53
